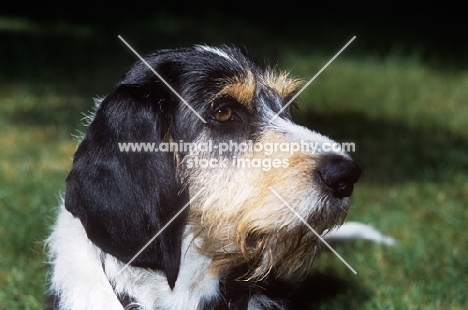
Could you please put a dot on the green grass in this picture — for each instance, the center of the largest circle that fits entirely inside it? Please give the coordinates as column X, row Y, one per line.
column 407, row 118
column 409, row 125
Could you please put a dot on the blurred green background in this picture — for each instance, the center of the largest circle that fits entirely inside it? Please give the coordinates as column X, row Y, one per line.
column 399, row 91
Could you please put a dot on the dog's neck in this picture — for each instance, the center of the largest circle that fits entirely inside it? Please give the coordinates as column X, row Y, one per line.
column 196, row 286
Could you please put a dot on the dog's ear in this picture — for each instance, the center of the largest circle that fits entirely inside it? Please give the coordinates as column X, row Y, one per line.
column 123, row 199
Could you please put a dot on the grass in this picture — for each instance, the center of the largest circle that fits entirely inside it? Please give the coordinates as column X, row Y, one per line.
column 408, row 122
column 407, row 118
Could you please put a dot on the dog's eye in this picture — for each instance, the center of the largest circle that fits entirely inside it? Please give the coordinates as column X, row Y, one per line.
column 223, row 115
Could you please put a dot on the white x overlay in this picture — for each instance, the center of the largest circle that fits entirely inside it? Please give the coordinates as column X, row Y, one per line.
column 162, row 80
column 312, row 230
column 201, row 118
column 160, row 231
column 310, row 81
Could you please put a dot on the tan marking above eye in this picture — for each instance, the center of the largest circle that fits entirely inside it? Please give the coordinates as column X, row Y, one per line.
column 281, row 82
column 240, row 88
column 223, row 115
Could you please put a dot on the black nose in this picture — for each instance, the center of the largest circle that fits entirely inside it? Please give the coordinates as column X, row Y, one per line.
column 337, row 174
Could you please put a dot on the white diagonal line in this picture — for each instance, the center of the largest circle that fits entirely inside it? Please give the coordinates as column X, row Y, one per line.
column 308, row 83
column 313, row 230
column 160, row 231
column 162, row 80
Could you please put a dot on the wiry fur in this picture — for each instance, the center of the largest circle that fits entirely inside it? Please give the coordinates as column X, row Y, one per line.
column 236, row 242
column 257, row 227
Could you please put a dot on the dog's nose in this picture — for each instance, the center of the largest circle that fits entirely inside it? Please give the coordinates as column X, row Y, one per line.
column 337, row 174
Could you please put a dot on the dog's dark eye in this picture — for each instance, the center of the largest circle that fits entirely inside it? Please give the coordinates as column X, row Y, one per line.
column 223, row 115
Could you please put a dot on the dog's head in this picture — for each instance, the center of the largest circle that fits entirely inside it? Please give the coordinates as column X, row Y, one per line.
column 257, row 176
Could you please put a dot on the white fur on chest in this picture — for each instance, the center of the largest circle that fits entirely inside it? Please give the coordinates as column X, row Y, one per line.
column 78, row 275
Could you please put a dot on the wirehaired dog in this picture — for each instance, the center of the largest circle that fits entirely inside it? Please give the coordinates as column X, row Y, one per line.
column 159, row 230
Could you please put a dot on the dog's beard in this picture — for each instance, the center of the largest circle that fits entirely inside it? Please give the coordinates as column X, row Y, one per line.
column 239, row 221
column 254, row 217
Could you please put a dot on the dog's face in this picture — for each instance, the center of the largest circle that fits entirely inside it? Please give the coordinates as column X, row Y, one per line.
column 254, row 177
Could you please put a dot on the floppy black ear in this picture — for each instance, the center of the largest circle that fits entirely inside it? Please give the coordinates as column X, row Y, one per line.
column 123, row 199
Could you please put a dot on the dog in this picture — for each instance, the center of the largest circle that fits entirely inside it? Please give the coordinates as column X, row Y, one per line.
column 170, row 229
